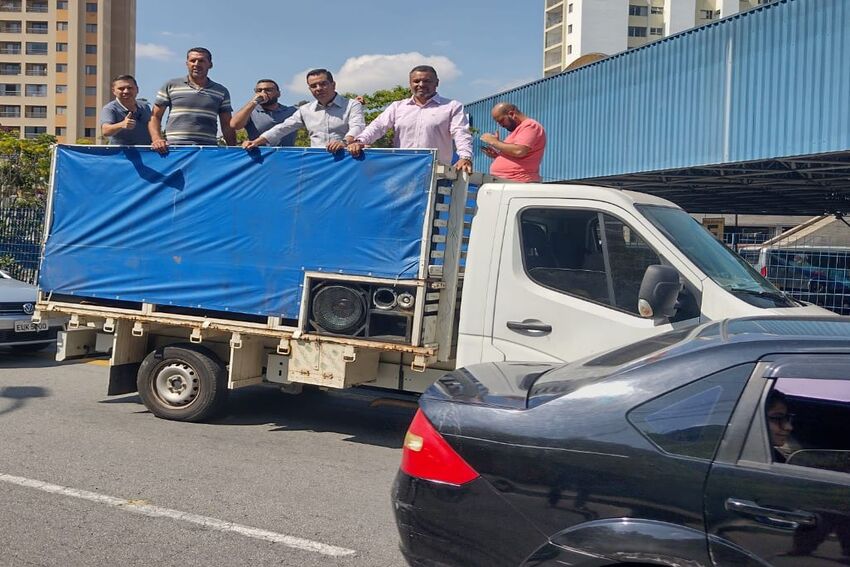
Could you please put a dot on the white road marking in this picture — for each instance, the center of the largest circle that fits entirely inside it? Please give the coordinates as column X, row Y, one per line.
column 159, row 512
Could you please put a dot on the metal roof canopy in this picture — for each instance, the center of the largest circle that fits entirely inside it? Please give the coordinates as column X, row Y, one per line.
column 746, row 115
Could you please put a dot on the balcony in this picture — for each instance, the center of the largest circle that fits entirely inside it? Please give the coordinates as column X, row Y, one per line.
column 33, row 71
column 10, row 69
column 10, row 92
column 10, row 27
column 10, row 111
column 39, row 28
column 10, row 50
column 36, row 114
column 7, row 6
column 37, row 7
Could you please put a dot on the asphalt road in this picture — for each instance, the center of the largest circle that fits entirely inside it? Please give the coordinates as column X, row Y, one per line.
column 278, row 480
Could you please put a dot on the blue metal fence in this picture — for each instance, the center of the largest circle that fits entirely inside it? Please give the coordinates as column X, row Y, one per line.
column 21, row 231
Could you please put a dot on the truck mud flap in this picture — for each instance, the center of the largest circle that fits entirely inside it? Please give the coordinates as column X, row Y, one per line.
column 122, row 378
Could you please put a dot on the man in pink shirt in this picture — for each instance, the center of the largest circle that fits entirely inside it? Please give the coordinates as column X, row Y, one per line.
column 518, row 156
column 425, row 120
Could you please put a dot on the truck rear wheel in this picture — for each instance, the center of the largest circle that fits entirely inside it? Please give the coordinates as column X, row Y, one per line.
column 182, row 382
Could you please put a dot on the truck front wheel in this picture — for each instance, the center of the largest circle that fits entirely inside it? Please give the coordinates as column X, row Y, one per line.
column 182, row 382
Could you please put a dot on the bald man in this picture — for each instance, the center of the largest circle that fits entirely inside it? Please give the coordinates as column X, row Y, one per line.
column 518, row 156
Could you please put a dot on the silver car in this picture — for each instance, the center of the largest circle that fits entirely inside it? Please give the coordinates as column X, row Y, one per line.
column 17, row 329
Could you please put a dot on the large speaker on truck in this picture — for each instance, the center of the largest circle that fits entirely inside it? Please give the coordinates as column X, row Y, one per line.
column 377, row 311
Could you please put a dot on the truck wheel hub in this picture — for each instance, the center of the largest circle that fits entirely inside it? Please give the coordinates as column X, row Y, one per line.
column 177, row 384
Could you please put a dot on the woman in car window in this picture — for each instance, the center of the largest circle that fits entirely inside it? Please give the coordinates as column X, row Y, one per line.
column 778, row 424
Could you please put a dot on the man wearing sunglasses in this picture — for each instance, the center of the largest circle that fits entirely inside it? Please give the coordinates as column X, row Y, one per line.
column 263, row 112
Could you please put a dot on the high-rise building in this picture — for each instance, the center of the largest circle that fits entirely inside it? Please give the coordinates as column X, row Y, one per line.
column 578, row 28
column 57, row 60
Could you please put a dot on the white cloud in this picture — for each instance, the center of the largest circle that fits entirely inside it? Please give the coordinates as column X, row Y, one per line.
column 368, row 73
column 154, row 51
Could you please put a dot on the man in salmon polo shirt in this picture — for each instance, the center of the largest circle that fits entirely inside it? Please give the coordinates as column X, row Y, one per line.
column 518, row 156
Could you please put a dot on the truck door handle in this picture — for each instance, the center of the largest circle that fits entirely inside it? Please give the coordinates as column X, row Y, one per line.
column 786, row 519
column 530, row 327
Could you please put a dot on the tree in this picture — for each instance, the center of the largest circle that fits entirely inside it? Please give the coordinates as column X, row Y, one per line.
column 376, row 103
column 25, row 168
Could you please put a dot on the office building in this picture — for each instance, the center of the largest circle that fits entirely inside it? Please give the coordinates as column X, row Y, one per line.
column 57, row 59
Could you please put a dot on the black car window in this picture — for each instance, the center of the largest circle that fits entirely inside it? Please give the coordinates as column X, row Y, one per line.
column 807, row 423
column 690, row 420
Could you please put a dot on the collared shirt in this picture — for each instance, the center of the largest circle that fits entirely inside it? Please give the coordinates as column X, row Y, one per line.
column 262, row 120
column 114, row 112
column 193, row 114
column 432, row 125
column 341, row 117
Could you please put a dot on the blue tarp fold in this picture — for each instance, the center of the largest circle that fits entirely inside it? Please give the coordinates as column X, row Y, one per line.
column 229, row 230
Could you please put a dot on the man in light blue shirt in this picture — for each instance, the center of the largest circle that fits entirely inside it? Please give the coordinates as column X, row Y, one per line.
column 332, row 121
column 263, row 112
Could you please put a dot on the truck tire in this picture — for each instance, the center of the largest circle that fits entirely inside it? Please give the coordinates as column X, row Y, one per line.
column 182, row 382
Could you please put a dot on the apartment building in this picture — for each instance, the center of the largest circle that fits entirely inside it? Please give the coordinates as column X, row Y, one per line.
column 57, row 59
column 587, row 28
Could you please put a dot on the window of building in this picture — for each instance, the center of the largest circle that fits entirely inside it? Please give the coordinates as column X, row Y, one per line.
column 10, row 47
column 10, row 26
column 10, row 111
column 607, row 270
column 10, row 89
column 61, row 4
column 637, row 31
column 36, row 48
column 37, row 27
column 36, row 90
column 570, row 8
column 61, row 46
column 61, row 67
column 61, row 131
column 638, row 10
column 552, row 57
column 61, row 26
column 10, row 68
column 61, row 110
column 569, row 50
column 91, row 91
column 554, row 36
column 690, row 420
column 36, row 112
column 38, row 6
column 91, row 111
column 91, row 49
column 554, row 17
column 707, row 14
column 91, row 28
column 550, row 3
column 37, row 69
column 91, row 69
column 656, row 31
column 34, row 131
column 90, row 132
column 656, row 10
column 570, row 28
column 91, row 7
column 10, row 5
column 61, row 89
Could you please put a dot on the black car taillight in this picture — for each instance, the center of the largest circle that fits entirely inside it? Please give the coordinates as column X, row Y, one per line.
column 428, row 456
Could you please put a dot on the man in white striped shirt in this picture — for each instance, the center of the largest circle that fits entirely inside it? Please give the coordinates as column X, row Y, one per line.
column 194, row 102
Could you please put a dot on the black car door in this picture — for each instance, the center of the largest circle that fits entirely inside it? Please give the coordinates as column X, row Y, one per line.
column 778, row 492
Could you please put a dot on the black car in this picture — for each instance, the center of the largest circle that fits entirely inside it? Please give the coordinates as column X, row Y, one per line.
column 724, row 444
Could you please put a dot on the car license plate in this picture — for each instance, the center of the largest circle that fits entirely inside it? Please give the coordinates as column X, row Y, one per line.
column 29, row 326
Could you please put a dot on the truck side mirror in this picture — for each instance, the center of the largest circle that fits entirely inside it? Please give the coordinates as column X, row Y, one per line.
column 659, row 292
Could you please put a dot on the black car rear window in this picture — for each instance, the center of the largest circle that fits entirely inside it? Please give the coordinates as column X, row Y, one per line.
column 690, row 420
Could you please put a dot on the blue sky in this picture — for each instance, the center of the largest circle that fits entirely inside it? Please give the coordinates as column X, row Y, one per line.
column 479, row 47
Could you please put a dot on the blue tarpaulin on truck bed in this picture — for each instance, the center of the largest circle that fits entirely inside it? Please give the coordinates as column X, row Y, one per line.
column 229, row 230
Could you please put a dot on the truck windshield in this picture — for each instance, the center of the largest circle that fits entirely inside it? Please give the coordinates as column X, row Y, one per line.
column 726, row 268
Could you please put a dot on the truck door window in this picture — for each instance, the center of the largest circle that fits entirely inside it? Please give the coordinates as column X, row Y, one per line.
column 585, row 253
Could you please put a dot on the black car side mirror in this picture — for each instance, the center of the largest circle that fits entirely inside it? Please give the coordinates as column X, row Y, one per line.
column 659, row 292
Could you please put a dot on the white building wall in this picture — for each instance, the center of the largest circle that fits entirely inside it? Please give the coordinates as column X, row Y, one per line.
column 680, row 16
column 728, row 7
column 599, row 26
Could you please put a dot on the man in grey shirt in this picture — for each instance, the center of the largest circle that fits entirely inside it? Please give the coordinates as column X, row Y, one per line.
column 263, row 111
column 331, row 121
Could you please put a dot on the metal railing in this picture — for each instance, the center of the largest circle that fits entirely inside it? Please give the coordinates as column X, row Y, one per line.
column 20, row 241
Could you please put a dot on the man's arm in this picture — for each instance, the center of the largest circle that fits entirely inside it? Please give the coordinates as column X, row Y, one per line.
column 356, row 121
column 227, row 132
column 273, row 135
column 109, row 128
column 240, row 117
column 511, row 150
column 158, row 143
column 373, row 131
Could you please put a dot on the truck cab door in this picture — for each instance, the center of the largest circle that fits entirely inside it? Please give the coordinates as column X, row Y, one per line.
column 568, row 280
